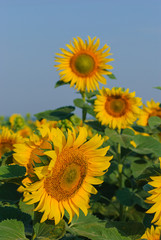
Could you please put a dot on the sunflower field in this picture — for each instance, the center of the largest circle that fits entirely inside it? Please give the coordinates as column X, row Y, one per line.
column 95, row 177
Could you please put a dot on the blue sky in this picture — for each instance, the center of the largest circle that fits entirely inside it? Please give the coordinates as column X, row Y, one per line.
column 32, row 31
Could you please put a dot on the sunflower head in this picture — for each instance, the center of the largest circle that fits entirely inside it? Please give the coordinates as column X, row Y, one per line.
column 17, row 121
column 152, row 233
column 7, row 140
column 117, row 108
column 83, row 65
column 67, row 181
column 152, row 109
column 155, row 198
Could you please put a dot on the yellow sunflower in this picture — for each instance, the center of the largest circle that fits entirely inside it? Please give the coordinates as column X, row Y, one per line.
column 66, row 183
column 117, row 108
column 7, row 139
column 27, row 153
column 152, row 234
column 155, row 198
column 84, row 65
column 152, row 109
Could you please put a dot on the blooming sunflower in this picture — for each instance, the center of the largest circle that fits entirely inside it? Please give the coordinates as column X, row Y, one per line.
column 117, row 108
column 152, row 109
column 66, row 183
column 26, row 154
column 84, row 65
column 7, row 139
column 155, row 198
column 152, row 234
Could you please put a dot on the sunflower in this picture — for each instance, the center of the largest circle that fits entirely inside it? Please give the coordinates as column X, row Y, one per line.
column 26, row 154
column 17, row 121
column 152, row 109
column 152, row 234
column 155, row 198
column 7, row 139
column 66, row 183
column 117, row 108
column 84, row 65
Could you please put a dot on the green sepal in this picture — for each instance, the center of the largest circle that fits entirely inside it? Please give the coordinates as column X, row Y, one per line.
column 60, row 83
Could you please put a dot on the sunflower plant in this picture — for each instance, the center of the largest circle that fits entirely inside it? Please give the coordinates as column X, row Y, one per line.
column 95, row 177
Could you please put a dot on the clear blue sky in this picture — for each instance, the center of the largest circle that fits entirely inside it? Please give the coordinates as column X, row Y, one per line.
column 32, row 31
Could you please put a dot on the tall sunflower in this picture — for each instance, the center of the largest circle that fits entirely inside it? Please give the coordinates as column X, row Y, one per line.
column 117, row 108
column 66, row 183
column 7, row 139
column 152, row 109
column 84, row 65
column 155, row 198
column 152, row 233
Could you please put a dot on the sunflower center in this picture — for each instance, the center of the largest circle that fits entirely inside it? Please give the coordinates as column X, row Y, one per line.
column 67, row 175
column 83, row 64
column 116, row 106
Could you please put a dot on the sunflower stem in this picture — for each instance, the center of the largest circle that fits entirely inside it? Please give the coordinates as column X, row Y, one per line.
column 120, row 182
column 84, row 111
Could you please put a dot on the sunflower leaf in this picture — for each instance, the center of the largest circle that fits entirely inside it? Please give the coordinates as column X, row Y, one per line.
column 60, row 83
column 92, row 228
column 10, row 172
column 112, row 76
column 11, row 230
column 154, row 122
column 48, row 230
column 8, row 193
column 158, row 88
column 57, row 114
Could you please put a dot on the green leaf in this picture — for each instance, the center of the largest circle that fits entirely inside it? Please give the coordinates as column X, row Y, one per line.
column 139, row 165
column 133, row 229
column 60, row 83
column 11, row 230
column 6, row 158
column 26, row 208
column 124, row 138
column 92, row 228
column 78, row 102
column 149, row 172
column 129, row 198
column 14, row 213
column 154, row 122
column 57, row 114
column 92, row 94
column 111, row 76
column 11, row 172
column 47, row 230
column 96, row 125
column 8, row 193
column 158, row 88
column 146, row 145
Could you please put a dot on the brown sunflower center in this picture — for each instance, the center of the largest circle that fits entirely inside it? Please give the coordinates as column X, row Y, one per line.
column 83, row 64
column 116, row 106
column 67, row 175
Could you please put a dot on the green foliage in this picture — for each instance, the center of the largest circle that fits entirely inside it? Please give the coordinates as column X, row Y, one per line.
column 60, row 83
column 11, row 230
column 48, row 230
column 158, row 88
column 78, row 102
column 154, row 122
column 57, row 114
column 11, row 172
column 92, row 228
column 8, row 193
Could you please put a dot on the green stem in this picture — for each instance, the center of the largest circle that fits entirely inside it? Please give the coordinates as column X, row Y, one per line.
column 84, row 111
column 120, row 166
